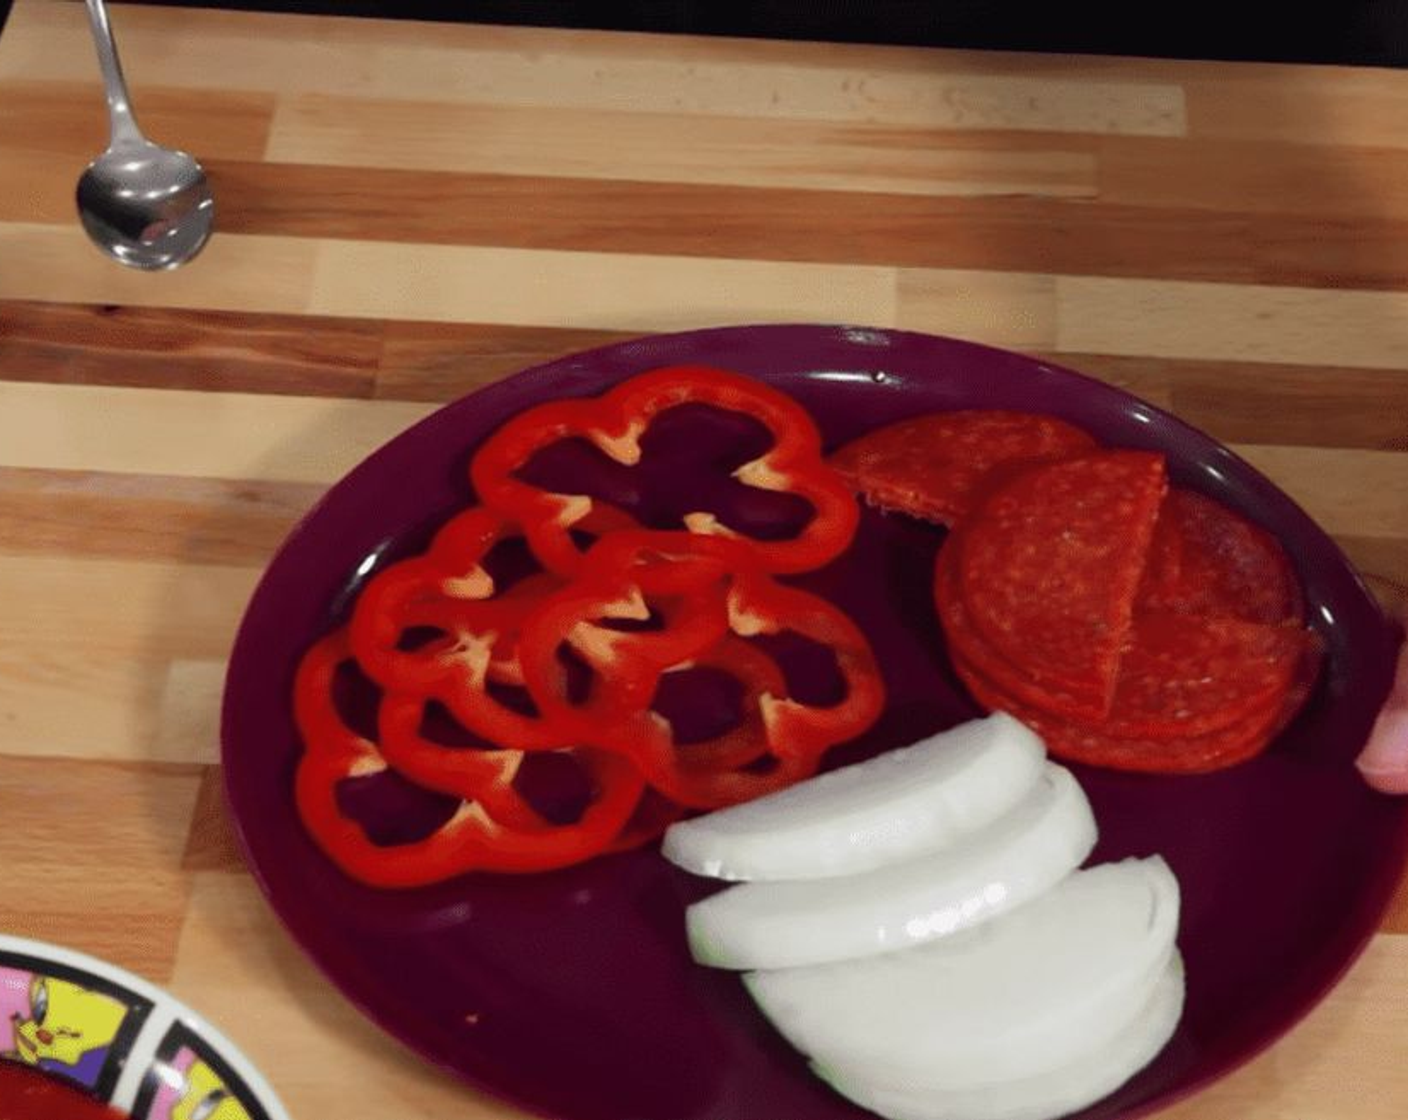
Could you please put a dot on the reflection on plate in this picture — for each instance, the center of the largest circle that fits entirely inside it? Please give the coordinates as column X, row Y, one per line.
column 572, row 993
column 120, row 1040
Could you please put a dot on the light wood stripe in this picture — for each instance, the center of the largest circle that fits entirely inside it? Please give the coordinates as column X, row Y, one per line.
column 115, row 659
column 1345, row 1041
column 590, row 290
column 1351, row 492
column 318, row 129
column 81, row 885
column 147, row 517
column 124, row 609
column 234, row 436
column 533, row 68
column 244, row 273
column 1242, row 322
column 188, row 719
column 62, row 697
column 1010, row 309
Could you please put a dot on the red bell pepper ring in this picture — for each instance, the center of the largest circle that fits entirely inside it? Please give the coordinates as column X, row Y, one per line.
column 486, row 777
column 615, row 422
column 472, row 840
column 747, row 742
column 626, row 576
column 448, row 589
column 703, row 598
column 758, row 605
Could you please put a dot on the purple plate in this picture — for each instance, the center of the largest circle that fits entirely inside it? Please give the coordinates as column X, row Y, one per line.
column 572, row 995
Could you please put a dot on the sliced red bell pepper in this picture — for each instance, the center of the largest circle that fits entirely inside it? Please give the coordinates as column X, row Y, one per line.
column 447, row 589
column 615, row 422
column 631, row 576
column 758, row 605
column 705, row 597
column 473, row 839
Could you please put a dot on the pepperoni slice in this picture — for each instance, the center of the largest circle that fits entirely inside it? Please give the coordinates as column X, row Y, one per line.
column 965, row 641
column 1185, row 675
column 1179, row 676
column 935, row 465
column 1075, row 742
column 1049, row 566
column 1226, row 566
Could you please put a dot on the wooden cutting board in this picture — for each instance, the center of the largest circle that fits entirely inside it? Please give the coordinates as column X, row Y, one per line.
column 410, row 211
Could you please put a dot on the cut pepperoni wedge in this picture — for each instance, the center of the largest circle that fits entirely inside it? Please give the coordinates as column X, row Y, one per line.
column 1049, row 566
column 965, row 641
column 1186, row 675
column 935, row 466
column 1075, row 742
column 1226, row 566
column 1180, row 675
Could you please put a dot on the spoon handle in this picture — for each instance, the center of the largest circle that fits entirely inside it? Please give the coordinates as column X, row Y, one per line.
column 123, row 121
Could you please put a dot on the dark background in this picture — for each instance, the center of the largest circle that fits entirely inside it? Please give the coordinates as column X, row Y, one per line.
column 1349, row 31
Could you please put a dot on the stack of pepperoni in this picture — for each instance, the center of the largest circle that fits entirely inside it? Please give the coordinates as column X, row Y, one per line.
column 1132, row 624
column 475, row 676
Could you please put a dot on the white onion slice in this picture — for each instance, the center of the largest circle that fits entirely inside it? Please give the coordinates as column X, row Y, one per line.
column 898, row 805
column 1008, row 999
column 1126, row 1048
column 778, row 925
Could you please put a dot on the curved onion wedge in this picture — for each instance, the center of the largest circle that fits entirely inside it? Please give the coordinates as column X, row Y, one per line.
column 1125, row 1050
column 901, row 804
column 808, row 922
column 1009, row 999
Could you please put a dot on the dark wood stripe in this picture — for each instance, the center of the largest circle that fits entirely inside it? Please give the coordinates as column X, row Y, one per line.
column 1020, row 234
column 444, row 361
column 211, row 843
column 69, row 119
column 1262, row 402
column 1238, row 402
column 1252, row 176
column 1241, row 242
column 143, row 517
column 173, row 349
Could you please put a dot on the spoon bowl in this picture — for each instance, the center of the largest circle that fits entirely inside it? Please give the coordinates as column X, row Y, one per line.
column 143, row 205
column 146, row 206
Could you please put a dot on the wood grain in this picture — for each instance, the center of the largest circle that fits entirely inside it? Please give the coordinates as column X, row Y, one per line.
column 211, row 843
column 510, row 68
column 258, row 438
column 635, row 146
column 72, row 882
column 690, row 219
column 407, row 212
column 129, row 516
column 217, row 351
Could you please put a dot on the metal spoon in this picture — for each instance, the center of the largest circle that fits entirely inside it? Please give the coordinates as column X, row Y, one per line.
column 144, row 205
